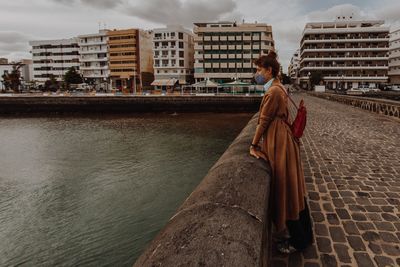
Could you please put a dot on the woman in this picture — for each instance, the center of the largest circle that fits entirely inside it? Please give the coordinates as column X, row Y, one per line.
column 278, row 146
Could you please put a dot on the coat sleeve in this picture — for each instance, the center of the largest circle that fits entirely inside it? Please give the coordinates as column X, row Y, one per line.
column 269, row 109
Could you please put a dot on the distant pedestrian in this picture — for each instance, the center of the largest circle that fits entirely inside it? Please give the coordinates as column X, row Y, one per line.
column 278, row 146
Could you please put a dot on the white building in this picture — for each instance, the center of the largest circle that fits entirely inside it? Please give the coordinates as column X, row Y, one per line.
column 173, row 49
column 54, row 57
column 394, row 57
column 93, row 58
column 225, row 51
column 294, row 67
column 347, row 52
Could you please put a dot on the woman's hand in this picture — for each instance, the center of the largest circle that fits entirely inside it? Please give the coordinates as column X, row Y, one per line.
column 257, row 153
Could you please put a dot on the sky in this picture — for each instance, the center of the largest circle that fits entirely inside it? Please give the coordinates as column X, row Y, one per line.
column 22, row 21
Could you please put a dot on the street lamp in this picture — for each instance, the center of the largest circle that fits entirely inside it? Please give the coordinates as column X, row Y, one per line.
column 309, row 81
column 342, row 89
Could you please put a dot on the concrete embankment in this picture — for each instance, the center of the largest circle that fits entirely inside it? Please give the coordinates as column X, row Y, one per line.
column 124, row 104
column 222, row 222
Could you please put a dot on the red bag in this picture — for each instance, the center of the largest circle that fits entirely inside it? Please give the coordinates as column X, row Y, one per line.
column 299, row 123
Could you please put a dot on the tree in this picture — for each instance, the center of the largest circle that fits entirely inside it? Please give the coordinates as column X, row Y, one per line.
column 315, row 78
column 72, row 77
column 12, row 80
column 285, row 79
column 51, row 84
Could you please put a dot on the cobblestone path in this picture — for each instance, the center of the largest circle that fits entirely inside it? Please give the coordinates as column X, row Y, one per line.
column 351, row 161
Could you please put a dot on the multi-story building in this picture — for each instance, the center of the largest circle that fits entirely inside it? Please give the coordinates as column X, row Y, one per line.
column 173, row 49
column 225, row 51
column 394, row 57
column 346, row 52
column 294, row 67
column 130, row 59
column 54, row 58
column 3, row 60
column 94, row 59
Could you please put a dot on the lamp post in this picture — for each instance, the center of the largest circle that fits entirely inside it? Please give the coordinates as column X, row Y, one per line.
column 309, row 81
column 342, row 89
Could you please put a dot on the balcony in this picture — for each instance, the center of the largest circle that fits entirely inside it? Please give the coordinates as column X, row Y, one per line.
column 346, row 67
column 348, row 58
column 95, row 51
column 355, row 49
column 345, row 40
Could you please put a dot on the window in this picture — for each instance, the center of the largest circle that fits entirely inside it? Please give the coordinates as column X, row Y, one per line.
column 181, row 54
column 181, row 63
column 180, row 44
column 181, row 36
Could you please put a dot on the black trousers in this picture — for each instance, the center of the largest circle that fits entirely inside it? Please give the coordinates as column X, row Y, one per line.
column 300, row 231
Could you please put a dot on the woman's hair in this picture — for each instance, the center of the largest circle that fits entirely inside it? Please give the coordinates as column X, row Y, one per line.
column 269, row 61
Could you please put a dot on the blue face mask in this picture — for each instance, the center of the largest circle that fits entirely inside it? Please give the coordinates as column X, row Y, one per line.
column 259, row 78
column 268, row 84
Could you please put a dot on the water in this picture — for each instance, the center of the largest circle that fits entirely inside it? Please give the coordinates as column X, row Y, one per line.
column 93, row 191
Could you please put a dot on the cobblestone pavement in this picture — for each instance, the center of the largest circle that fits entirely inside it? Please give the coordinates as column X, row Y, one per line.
column 351, row 161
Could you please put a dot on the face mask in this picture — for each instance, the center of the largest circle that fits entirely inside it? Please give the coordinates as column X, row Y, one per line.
column 260, row 79
column 268, row 84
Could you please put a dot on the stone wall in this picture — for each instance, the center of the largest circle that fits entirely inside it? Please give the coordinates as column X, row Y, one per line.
column 386, row 107
column 123, row 104
column 221, row 222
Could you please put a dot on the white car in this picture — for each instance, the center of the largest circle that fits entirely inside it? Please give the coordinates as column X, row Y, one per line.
column 355, row 91
column 395, row 87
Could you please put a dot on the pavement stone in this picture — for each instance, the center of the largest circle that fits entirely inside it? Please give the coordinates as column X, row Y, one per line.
column 352, row 171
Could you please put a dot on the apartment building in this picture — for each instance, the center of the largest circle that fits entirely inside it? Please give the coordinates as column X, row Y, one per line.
column 347, row 52
column 54, row 58
column 94, row 59
column 130, row 59
column 294, row 67
column 225, row 51
column 394, row 57
column 173, row 49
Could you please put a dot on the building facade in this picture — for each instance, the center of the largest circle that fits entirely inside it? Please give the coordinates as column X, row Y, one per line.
column 346, row 52
column 225, row 51
column 54, row 58
column 173, row 49
column 130, row 59
column 394, row 57
column 94, row 59
column 294, row 67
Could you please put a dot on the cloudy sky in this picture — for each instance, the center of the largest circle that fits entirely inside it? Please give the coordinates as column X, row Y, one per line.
column 21, row 20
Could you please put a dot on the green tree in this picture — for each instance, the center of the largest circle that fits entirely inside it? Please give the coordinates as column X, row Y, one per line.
column 285, row 79
column 12, row 80
column 51, row 84
column 72, row 77
column 316, row 78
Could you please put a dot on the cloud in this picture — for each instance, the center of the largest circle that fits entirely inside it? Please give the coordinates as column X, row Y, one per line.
column 330, row 14
column 14, row 44
column 100, row 4
column 183, row 12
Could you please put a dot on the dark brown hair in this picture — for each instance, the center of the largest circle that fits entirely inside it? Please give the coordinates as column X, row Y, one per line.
column 267, row 61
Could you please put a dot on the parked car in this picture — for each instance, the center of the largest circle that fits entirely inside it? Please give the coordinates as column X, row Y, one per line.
column 355, row 91
column 376, row 90
column 395, row 87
